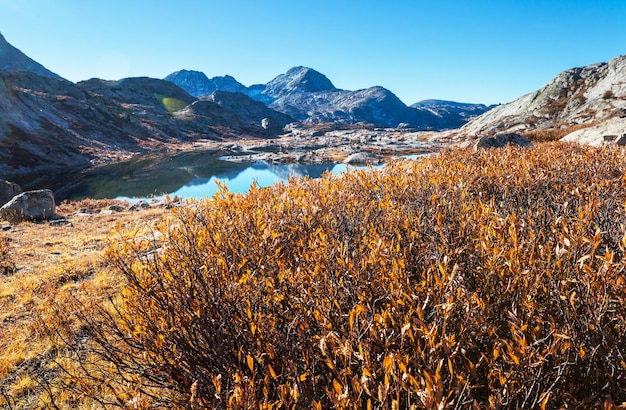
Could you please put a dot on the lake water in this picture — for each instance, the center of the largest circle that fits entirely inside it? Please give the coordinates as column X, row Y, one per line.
column 187, row 175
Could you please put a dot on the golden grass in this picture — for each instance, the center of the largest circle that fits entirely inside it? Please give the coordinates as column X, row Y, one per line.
column 555, row 132
column 50, row 263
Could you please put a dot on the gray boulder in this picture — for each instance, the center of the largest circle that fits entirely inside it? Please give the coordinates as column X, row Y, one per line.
column 8, row 190
column 501, row 141
column 29, row 205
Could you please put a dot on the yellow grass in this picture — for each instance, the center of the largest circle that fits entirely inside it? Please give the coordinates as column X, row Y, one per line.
column 51, row 262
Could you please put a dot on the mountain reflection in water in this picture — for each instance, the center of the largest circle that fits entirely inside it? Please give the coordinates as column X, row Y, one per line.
column 187, row 175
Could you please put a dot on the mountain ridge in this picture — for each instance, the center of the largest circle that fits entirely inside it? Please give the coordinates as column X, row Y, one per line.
column 12, row 59
column 575, row 98
column 310, row 97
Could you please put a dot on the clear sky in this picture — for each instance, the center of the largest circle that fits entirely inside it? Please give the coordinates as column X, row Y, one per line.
column 483, row 51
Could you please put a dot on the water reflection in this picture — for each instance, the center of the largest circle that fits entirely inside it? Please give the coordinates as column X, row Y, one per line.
column 188, row 175
column 262, row 173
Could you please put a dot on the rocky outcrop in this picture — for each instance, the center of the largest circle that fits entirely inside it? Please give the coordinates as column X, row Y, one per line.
column 8, row 190
column 612, row 131
column 29, row 205
column 584, row 95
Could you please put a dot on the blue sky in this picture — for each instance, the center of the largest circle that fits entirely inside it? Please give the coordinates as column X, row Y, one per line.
column 490, row 51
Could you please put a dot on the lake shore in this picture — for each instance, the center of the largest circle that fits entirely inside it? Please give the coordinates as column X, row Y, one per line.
column 305, row 145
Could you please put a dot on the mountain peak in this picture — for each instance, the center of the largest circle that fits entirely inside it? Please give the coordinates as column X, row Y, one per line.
column 197, row 83
column 12, row 59
column 194, row 82
column 298, row 80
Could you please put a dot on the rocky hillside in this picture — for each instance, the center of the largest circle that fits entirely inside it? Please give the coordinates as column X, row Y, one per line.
column 47, row 122
column 254, row 112
column 452, row 114
column 310, row 97
column 575, row 99
column 12, row 59
column 196, row 83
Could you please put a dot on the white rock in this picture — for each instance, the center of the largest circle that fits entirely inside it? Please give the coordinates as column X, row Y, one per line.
column 29, row 205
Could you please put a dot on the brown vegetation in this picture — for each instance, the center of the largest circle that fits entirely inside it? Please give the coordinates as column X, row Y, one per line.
column 467, row 279
column 555, row 132
column 44, row 264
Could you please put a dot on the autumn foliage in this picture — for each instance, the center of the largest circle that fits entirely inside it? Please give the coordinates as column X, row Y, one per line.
column 467, row 279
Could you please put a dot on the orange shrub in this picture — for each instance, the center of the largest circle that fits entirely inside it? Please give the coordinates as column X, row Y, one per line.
column 7, row 265
column 491, row 278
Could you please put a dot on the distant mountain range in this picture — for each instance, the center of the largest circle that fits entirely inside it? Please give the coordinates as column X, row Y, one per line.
column 310, row 97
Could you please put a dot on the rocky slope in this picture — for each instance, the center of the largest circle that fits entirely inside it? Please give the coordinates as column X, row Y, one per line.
column 196, row 83
column 47, row 122
column 12, row 59
column 311, row 97
column 255, row 113
column 575, row 99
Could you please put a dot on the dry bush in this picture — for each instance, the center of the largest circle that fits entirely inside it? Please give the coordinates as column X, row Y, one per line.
column 556, row 132
column 7, row 264
column 490, row 279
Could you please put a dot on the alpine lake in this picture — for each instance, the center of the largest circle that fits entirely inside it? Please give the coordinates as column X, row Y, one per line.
column 194, row 174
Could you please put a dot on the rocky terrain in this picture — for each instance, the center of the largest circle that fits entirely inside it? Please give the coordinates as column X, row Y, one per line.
column 48, row 122
column 13, row 59
column 310, row 97
column 583, row 104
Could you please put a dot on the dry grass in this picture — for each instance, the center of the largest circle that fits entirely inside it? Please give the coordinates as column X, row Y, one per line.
column 555, row 132
column 50, row 262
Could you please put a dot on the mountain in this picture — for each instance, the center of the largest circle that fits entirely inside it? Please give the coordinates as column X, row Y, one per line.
column 452, row 114
column 309, row 96
column 196, row 83
column 298, row 80
column 575, row 99
column 12, row 59
column 52, row 123
column 254, row 112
